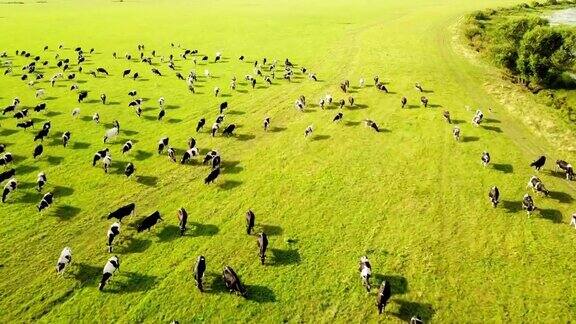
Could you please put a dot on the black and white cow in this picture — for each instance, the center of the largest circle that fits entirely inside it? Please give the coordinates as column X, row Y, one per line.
column 106, row 162
column 122, row 212
column 46, row 201
column 494, row 196
column 25, row 124
column 384, row 294
column 308, row 131
column 365, row 269
column 232, row 281
column 266, row 123
column 112, row 233
column 7, row 175
column 573, row 220
column 9, row 187
column 189, row 154
column 200, row 124
column 537, row 186
column 338, row 117
column 41, row 181
column 127, row 147
column 162, row 143
column 567, row 168
column 100, row 155
column 182, row 220
column 199, row 270
column 528, row 204
column 129, row 170
column 250, row 220
column 64, row 260
column 372, row 124
column 456, row 133
column 6, row 159
column 485, row 158
column 110, row 268
column 446, row 115
column 478, row 117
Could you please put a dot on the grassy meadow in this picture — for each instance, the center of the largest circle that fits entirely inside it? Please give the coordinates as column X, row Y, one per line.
column 410, row 197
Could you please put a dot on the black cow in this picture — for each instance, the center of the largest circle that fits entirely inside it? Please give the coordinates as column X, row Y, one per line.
column 262, row 246
column 199, row 270
column 110, row 268
column 232, row 281
column 162, row 143
column 250, row 219
column 200, row 124
column 156, row 71
column 125, row 73
column 102, row 70
column 149, row 221
column 7, row 175
column 7, row 158
column 384, row 294
column 212, row 176
column 26, row 124
column 46, row 201
column 122, row 212
column 229, row 130
column 39, row 107
column 223, row 106
column 404, row 101
column 82, row 95
column 372, row 124
column 338, row 117
column 494, row 196
column 2, row 148
column 446, row 115
column 103, row 98
column 38, row 150
column 182, row 220
column 538, row 163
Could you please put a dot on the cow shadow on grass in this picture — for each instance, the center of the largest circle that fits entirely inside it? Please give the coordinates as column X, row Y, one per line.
column 86, row 274
column 80, row 145
column 271, row 230
column 512, row 206
column 492, row 121
column 284, row 257
column 168, row 233
column 466, row 139
column 552, row 215
column 358, row 106
column 142, row 155
column 231, row 167
column 149, row 181
column 25, row 169
column 245, row 137
column 351, row 123
column 320, row 137
column 562, row 197
column 505, row 168
column 61, row 191
column 54, row 160
column 27, row 198
column 199, row 229
column 457, row 121
column 130, row 282
column 492, row 128
column 7, row 132
column 277, row 129
column 408, row 309
column 215, row 283
column 54, row 114
column 134, row 245
column 229, row 184
column 66, row 212
column 260, row 294
column 398, row 284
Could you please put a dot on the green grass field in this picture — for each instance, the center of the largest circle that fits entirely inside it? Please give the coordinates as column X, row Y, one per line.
column 410, row 197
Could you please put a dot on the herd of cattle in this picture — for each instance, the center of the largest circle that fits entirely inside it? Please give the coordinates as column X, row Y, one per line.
column 69, row 69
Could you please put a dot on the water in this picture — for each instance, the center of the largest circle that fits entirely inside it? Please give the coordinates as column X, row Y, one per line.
column 563, row 17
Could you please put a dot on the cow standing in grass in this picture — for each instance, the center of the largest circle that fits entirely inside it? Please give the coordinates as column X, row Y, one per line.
column 262, row 246
column 494, row 196
column 110, row 268
column 64, row 260
column 199, row 270
column 365, row 272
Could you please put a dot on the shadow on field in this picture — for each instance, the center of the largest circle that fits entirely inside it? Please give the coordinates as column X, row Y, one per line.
column 260, row 294
column 407, row 309
column 65, row 212
column 320, row 137
column 134, row 282
column 505, row 168
column 142, row 155
column 215, row 283
column 245, row 137
column 457, row 121
column 399, row 284
column 60, row 191
column 54, row 160
column 492, row 128
column 231, row 167
column 53, row 113
column 135, row 245
column 229, row 184
column 512, row 206
column 492, row 121
column 168, row 233
column 351, row 123
column 129, row 132
column 466, row 139
column 358, row 106
column 285, row 257
column 557, row 174
column 80, row 145
column 562, row 197
column 149, row 181
column 28, row 198
column 204, row 229
column 236, row 112
column 7, row 132
column 25, row 169
column 553, row 215
column 86, row 274
column 271, row 230
column 277, row 129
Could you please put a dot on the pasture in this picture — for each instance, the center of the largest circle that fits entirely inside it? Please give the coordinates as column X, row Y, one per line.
column 409, row 197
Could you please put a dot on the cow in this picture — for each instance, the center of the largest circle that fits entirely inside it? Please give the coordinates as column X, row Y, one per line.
column 384, row 294
column 156, row 72
column 416, row 320
column 102, row 70
column 567, row 168
column 149, row 221
column 478, row 117
column 214, row 129
column 82, row 95
column 162, row 143
column 129, row 170
column 122, row 212
column 424, row 101
column 209, row 156
column 446, row 115
column 25, row 125
column 103, row 98
column 372, row 124
column 485, row 158
column 171, row 154
column 39, row 107
column 127, row 147
column 106, row 162
column 528, row 204
column 200, row 124
column 65, row 138
column 112, row 233
column 232, row 281
column 338, row 117
column 382, row 87
column 308, row 131
column 537, row 186
column 41, row 181
column 212, row 176
column 538, row 163
column 365, row 269
column 189, row 154
column 494, row 195
column 38, row 150
column 6, row 158
column 110, row 133
column 199, row 270
column 250, row 219
column 351, row 101
column 64, row 260
column 229, row 130
column 341, row 103
column 132, row 93
column 182, row 220
column 573, row 221
column 2, row 148
column 21, row 114
column 76, row 112
column 419, row 87
column 126, row 72
column 262, row 246
column 110, row 268
column 223, row 106
column 7, row 175
column 456, row 133
column 46, row 201
column 99, row 155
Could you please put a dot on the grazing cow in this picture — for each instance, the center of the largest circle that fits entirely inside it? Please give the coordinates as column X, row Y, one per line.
column 122, row 212
column 232, row 281
column 106, row 161
column 384, row 294
column 351, row 101
column 46, row 201
column 200, row 124
column 567, row 168
column 41, row 181
column 126, row 72
column 171, row 154
column 110, row 268
column 229, row 130
column 64, row 260
column 494, row 196
column 25, row 125
column 209, row 156
column 10, row 186
column 38, row 150
column 250, row 219
column 262, row 246
column 241, row 58
column 96, row 118
column 253, row 82
column 156, row 71
column 39, row 107
column 528, row 204
column 135, row 76
column 446, row 115
column 132, row 93
column 372, row 124
column 485, row 158
column 199, row 270
column 7, row 175
column 223, row 106
column 102, row 70
column 419, row 87
column 424, row 101
column 161, row 114
column 103, row 98
column 214, row 129
column 162, row 143
column 127, row 147
column 365, row 272
column 112, row 233
column 2, row 148
column 39, row 93
column 182, row 220
column 341, row 103
column 382, row 87
column 65, row 138
column 99, row 155
column 149, row 221
column 338, row 117
column 82, row 95
column 76, row 112
column 361, row 82
column 308, row 131
column 6, row 158
column 21, row 114
column 129, row 170
column 478, row 117
column 179, row 76
column 212, row 175
column 456, row 133
column 537, row 186
column 266, row 123
column 189, row 154
column 538, row 163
